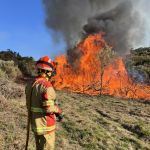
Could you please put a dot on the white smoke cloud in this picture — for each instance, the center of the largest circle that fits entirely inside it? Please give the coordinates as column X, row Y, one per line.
column 143, row 8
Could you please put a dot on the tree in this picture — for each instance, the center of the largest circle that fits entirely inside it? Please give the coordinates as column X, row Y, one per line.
column 105, row 56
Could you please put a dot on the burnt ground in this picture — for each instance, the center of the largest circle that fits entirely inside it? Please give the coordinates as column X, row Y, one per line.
column 90, row 122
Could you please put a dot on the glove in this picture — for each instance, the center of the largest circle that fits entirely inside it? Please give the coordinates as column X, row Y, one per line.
column 59, row 117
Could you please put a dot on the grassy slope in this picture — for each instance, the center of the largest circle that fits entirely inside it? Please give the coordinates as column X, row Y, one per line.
column 138, row 64
column 90, row 123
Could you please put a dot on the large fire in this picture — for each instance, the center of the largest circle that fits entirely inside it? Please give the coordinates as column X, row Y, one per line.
column 86, row 78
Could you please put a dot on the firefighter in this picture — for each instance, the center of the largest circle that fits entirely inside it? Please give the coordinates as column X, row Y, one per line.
column 40, row 100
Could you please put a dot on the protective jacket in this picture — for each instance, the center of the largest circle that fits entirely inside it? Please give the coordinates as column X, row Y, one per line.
column 41, row 95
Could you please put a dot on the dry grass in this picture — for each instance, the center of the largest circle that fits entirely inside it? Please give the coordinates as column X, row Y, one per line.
column 95, row 123
column 90, row 123
column 11, row 90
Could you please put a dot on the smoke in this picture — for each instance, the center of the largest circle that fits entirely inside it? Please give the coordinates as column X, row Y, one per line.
column 144, row 11
column 123, row 21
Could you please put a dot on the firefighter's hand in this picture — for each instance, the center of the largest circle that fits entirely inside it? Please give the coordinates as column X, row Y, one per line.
column 59, row 117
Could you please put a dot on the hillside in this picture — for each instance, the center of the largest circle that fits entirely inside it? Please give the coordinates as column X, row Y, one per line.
column 26, row 65
column 90, row 122
column 138, row 65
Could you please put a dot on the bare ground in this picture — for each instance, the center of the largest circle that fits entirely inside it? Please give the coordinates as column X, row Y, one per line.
column 90, row 123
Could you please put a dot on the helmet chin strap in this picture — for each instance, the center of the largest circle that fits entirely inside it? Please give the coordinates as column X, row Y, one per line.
column 48, row 76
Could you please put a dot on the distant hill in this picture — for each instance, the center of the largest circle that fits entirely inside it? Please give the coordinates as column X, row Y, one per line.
column 138, row 65
column 25, row 64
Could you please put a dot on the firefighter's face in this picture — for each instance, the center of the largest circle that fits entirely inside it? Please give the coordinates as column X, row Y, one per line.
column 49, row 74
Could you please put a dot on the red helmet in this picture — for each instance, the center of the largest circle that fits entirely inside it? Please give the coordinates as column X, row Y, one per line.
column 45, row 63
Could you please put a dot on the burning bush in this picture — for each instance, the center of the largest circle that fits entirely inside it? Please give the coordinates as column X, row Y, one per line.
column 95, row 74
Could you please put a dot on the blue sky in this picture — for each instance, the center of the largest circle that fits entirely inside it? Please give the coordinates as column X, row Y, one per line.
column 22, row 29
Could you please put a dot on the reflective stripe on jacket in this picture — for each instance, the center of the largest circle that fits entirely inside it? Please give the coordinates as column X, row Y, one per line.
column 43, row 107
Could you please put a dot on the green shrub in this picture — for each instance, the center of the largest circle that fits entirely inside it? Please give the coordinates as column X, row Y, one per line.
column 25, row 64
column 2, row 73
column 138, row 64
column 9, row 70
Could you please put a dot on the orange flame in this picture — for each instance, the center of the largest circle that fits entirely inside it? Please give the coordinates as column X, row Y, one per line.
column 86, row 79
